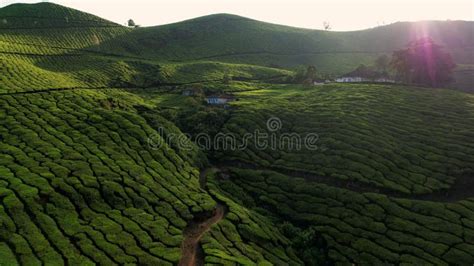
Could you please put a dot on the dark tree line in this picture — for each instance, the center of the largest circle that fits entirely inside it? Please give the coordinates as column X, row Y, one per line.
column 423, row 62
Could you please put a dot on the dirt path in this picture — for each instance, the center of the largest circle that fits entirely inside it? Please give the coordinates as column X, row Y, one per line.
column 191, row 250
column 462, row 189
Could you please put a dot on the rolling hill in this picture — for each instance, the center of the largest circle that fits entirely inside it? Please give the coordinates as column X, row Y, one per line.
column 226, row 38
column 235, row 39
column 80, row 184
column 41, row 15
column 389, row 182
column 46, row 46
column 97, row 165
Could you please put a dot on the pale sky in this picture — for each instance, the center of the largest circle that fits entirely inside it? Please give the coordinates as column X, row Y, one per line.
column 343, row 15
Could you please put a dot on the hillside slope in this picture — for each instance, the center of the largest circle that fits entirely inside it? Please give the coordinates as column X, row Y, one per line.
column 42, row 15
column 225, row 35
column 81, row 184
column 366, row 134
column 390, row 180
column 53, row 29
column 94, row 168
column 232, row 38
column 46, row 46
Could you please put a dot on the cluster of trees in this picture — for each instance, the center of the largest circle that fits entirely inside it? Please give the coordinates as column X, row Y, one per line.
column 306, row 75
column 309, row 245
column 372, row 72
column 131, row 23
column 423, row 62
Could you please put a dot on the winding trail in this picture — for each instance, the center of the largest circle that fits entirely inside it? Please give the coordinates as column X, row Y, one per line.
column 462, row 189
column 193, row 254
column 191, row 250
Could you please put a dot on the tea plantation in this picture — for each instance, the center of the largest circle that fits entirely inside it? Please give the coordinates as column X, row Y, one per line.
column 65, row 48
column 30, row 68
column 408, row 140
column 365, row 228
column 80, row 184
column 90, row 173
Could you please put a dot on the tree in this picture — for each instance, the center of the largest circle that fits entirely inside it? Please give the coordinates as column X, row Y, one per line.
column 423, row 62
column 300, row 73
column 364, row 72
column 400, row 63
column 327, row 25
column 310, row 246
column 310, row 75
column 131, row 23
column 382, row 63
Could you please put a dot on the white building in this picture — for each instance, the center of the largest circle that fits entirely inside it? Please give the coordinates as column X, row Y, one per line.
column 351, row 79
column 219, row 99
column 384, row 80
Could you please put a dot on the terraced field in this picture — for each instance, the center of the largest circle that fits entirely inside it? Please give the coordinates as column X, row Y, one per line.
column 65, row 48
column 90, row 174
column 390, row 181
column 406, row 140
column 51, row 51
column 46, row 67
column 363, row 228
column 80, row 184
column 377, row 189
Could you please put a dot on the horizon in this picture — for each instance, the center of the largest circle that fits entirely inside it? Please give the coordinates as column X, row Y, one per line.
column 335, row 12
